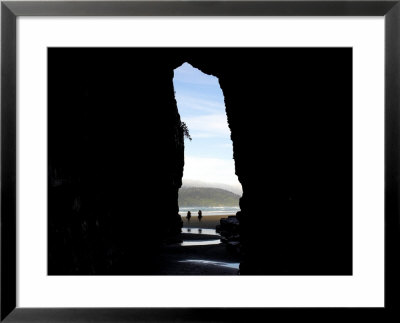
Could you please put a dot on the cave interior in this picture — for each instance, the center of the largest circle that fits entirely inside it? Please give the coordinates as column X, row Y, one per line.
column 116, row 156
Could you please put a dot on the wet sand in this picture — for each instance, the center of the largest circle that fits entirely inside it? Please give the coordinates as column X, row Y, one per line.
column 176, row 259
column 213, row 259
column 207, row 222
column 210, row 257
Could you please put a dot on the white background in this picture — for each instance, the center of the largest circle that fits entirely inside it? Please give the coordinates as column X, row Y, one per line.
column 364, row 288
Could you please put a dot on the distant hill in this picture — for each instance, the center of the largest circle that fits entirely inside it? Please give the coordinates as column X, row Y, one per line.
column 237, row 188
column 207, row 196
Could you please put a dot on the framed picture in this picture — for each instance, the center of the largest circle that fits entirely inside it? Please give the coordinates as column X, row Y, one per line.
column 212, row 160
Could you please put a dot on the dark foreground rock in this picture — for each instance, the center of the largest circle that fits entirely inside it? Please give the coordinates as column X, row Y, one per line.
column 229, row 229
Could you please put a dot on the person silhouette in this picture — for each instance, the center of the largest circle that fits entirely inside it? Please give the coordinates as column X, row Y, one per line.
column 188, row 216
column 200, row 215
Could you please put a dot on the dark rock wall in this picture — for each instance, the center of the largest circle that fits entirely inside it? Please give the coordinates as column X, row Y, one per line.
column 290, row 115
column 115, row 159
column 115, row 148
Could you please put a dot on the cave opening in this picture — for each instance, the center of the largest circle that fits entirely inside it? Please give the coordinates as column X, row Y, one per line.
column 210, row 186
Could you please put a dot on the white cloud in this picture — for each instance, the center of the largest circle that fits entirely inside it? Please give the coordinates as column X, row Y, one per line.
column 212, row 125
column 187, row 101
column 210, row 170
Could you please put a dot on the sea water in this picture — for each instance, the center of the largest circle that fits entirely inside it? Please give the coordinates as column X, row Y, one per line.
column 215, row 210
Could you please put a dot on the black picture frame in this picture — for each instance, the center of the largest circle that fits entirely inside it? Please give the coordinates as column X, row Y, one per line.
column 10, row 10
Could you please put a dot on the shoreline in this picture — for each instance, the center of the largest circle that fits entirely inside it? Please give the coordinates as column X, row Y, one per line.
column 207, row 222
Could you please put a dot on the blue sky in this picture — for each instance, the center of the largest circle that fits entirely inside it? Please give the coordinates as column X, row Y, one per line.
column 208, row 157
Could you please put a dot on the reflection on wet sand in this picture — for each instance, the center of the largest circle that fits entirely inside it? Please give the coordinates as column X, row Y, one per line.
column 234, row 265
column 200, row 232
column 200, row 243
column 200, row 253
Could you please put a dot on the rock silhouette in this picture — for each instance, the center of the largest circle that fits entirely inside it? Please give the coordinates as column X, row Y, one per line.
column 115, row 139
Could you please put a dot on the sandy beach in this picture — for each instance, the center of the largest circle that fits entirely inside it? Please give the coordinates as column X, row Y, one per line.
column 207, row 222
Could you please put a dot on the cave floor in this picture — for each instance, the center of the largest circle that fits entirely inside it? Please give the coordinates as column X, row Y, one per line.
column 208, row 259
